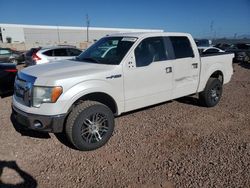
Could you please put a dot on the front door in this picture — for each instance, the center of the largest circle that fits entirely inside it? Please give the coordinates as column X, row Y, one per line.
column 147, row 75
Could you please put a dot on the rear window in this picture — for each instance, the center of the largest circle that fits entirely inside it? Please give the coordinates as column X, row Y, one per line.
column 182, row 47
column 60, row 52
column 48, row 53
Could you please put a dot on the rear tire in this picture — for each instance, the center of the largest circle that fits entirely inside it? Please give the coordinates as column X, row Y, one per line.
column 212, row 93
column 90, row 125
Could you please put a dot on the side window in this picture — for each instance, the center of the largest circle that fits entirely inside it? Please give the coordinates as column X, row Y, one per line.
column 169, row 48
column 150, row 50
column 60, row 52
column 73, row 52
column 182, row 47
column 4, row 52
column 48, row 53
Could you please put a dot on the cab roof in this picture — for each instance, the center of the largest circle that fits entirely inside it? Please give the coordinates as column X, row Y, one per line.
column 148, row 34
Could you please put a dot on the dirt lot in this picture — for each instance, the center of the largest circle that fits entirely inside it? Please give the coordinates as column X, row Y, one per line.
column 175, row 144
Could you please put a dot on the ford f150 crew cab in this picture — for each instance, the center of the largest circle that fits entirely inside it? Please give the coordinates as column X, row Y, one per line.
column 117, row 74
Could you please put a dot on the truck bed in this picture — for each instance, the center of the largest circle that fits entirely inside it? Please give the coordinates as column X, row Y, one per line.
column 215, row 62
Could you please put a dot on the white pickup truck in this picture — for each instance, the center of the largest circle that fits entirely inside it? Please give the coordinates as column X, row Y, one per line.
column 117, row 74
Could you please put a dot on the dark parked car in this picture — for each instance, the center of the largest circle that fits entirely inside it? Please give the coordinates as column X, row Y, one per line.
column 222, row 46
column 7, row 78
column 29, row 55
column 241, row 51
column 203, row 42
column 9, row 55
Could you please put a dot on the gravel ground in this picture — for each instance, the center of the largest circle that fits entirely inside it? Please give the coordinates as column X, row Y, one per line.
column 175, row 144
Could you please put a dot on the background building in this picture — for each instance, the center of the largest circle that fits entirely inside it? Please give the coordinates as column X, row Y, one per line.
column 39, row 35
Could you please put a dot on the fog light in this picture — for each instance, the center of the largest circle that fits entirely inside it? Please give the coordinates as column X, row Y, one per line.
column 37, row 124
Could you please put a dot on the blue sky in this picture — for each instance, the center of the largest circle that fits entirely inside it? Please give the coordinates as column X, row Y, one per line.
column 202, row 18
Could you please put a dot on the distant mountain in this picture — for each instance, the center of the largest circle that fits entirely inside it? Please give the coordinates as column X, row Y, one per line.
column 231, row 41
column 243, row 36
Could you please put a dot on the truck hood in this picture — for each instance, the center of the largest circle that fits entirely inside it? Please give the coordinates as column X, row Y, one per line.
column 68, row 72
column 66, row 69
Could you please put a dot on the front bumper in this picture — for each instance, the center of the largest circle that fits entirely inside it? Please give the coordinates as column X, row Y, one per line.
column 53, row 124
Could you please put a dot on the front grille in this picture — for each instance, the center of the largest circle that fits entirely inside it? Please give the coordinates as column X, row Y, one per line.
column 23, row 88
column 22, row 91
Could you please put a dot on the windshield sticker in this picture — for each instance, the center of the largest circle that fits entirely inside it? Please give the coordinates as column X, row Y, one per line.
column 115, row 42
column 129, row 39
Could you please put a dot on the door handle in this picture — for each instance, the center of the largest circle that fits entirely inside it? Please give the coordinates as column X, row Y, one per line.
column 195, row 65
column 168, row 69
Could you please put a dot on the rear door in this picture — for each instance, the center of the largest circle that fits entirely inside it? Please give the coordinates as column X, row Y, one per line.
column 147, row 74
column 185, row 67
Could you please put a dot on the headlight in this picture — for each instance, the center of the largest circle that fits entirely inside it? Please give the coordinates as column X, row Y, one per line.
column 45, row 95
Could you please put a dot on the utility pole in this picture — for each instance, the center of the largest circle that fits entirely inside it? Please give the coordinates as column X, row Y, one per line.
column 235, row 35
column 58, row 35
column 211, row 28
column 87, row 23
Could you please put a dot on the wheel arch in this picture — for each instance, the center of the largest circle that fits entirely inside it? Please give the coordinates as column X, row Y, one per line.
column 217, row 74
column 214, row 72
column 101, row 97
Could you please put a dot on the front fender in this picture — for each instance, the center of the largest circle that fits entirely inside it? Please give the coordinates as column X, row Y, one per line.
column 93, row 86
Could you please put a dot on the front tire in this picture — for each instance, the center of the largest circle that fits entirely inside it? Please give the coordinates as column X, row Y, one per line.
column 90, row 125
column 212, row 93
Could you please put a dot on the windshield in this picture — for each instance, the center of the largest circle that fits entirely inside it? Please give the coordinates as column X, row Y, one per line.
column 108, row 50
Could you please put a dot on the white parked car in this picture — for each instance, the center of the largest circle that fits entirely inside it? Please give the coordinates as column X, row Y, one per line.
column 50, row 54
column 81, row 97
column 209, row 50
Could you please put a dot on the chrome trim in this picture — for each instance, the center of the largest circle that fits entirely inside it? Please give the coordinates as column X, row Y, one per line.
column 23, row 88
